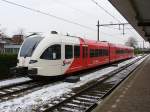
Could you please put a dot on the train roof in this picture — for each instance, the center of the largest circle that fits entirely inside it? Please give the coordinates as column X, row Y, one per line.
column 75, row 39
column 95, row 42
column 120, row 46
column 123, row 46
column 105, row 43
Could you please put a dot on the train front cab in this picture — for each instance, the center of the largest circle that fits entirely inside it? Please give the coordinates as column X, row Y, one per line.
column 41, row 57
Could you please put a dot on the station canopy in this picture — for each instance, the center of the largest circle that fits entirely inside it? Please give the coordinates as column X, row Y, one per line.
column 137, row 13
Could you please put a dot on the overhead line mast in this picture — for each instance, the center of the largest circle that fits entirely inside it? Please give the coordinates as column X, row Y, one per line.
column 98, row 25
column 105, row 25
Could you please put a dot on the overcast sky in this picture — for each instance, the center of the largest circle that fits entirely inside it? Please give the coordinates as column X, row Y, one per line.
column 84, row 12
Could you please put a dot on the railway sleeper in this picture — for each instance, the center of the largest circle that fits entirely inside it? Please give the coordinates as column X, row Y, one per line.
column 9, row 90
column 86, row 99
column 14, row 95
column 87, row 96
column 99, row 92
column 63, row 98
column 81, row 102
column 2, row 92
column 94, row 94
column 42, row 109
column 98, row 88
column 55, row 102
column 68, row 96
column 15, row 88
column 66, row 109
column 90, row 96
column 21, row 87
column 73, row 106
column 5, row 98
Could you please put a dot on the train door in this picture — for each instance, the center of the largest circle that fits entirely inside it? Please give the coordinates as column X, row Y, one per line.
column 67, row 58
column 85, row 55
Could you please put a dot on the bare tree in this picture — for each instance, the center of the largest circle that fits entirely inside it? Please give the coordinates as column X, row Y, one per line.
column 20, row 31
column 2, row 32
column 132, row 42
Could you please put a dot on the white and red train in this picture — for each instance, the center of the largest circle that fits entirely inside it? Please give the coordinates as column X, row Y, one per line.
column 56, row 55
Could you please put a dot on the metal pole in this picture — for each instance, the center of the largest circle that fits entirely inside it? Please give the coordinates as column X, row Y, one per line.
column 143, row 46
column 123, row 29
column 98, row 25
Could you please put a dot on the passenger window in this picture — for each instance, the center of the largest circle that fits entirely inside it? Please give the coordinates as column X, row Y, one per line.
column 68, row 52
column 52, row 53
column 100, row 52
column 105, row 52
column 96, row 53
column 76, row 51
column 83, row 52
column 91, row 53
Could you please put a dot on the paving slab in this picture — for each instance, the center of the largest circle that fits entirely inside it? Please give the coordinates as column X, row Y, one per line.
column 131, row 96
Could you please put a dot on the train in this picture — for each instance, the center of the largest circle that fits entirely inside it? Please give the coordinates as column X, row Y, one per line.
column 55, row 55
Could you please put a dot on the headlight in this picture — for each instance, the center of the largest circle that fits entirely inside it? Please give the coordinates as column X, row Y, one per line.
column 32, row 61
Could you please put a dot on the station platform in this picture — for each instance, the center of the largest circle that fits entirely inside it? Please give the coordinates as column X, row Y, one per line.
column 133, row 95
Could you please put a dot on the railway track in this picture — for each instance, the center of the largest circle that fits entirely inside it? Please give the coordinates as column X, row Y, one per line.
column 87, row 98
column 14, row 84
column 15, row 90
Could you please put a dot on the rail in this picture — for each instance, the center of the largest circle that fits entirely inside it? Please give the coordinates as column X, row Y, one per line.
column 87, row 98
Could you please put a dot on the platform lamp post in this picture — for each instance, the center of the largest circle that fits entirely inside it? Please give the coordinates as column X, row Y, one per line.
column 98, row 25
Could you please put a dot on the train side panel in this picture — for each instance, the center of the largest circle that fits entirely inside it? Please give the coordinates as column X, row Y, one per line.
column 112, row 53
column 93, row 53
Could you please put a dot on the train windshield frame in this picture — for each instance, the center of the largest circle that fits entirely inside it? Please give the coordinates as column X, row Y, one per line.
column 29, row 46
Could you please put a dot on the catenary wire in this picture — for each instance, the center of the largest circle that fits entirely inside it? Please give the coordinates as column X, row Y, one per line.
column 105, row 10
column 38, row 11
column 76, row 9
column 109, row 13
column 48, row 14
column 53, row 16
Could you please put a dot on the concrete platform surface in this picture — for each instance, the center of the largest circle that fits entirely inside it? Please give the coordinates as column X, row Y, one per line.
column 131, row 96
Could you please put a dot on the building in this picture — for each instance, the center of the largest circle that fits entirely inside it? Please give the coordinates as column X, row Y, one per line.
column 11, row 49
column 10, row 45
column 17, row 39
column 3, row 41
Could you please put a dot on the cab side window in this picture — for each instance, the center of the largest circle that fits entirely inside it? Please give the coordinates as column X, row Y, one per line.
column 52, row 53
column 68, row 51
column 76, row 51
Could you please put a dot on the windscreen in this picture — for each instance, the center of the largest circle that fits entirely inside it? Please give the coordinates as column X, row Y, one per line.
column 29, row 46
